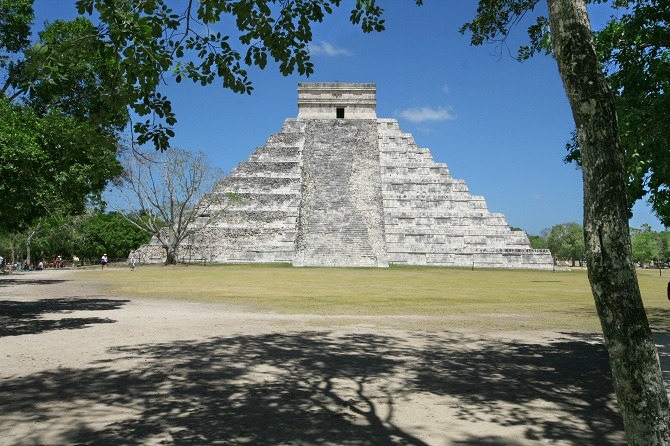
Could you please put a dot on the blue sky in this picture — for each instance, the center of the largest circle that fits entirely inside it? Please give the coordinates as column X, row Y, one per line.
column 498, row 124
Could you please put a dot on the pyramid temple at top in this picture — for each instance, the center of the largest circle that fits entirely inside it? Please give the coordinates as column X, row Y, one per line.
column 340, row 187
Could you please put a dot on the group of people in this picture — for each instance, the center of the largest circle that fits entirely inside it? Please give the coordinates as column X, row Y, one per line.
column 25, row 265
column 58, row 262
column 104, row 261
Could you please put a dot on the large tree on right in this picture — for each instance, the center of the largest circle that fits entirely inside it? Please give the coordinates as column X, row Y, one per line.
column 634, row 47
column 633, row 357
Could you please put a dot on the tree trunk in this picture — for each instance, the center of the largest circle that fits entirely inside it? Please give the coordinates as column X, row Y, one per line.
column 29, row 239
column 171, row 255
column 171, row 246
column 635, row 367
column 13, row 251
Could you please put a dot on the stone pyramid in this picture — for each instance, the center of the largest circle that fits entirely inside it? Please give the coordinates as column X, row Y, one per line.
column 340, row 187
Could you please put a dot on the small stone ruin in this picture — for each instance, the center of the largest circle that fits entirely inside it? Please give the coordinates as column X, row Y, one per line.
column 340, row 187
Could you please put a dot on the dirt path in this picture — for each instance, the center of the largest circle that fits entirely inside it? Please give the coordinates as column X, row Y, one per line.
column 81, row 368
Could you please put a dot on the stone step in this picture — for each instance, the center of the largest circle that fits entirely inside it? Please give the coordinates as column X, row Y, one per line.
column 258, row 185
column 276, row 154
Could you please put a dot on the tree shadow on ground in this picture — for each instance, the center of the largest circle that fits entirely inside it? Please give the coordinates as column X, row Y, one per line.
column 572, row 375
column 487, row 440
column 35, row 281
column 659, row 319
column 26, row 317
column 318, row 388
column 663, row 346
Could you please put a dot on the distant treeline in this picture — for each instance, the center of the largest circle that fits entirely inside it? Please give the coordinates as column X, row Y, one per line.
column 85, row 236
column 566, row 242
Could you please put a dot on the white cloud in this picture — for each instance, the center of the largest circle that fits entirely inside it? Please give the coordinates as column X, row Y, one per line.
column 424, row 114
column 445, row 89
column 538, row 196
column 326, row 49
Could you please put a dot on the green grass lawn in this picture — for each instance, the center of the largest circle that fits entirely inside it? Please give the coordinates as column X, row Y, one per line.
column 479, row 299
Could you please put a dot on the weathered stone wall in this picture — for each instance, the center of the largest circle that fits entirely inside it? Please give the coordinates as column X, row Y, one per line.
column 354, row 191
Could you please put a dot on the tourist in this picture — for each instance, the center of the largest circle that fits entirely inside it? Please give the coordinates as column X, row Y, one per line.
column 132, row 263
column 103, row 261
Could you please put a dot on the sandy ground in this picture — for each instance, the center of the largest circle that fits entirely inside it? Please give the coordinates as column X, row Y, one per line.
column 81, row 368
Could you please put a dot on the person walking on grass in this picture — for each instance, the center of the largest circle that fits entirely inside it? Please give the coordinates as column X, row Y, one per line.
column 103, row 261
column 132, row 263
